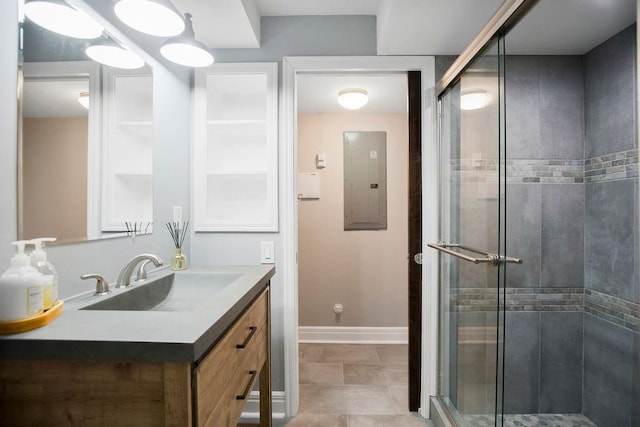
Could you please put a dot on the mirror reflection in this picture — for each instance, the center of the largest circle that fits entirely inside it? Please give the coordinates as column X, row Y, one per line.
column 85, row 171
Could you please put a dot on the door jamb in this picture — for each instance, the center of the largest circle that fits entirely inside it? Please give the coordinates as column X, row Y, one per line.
column 289, row 209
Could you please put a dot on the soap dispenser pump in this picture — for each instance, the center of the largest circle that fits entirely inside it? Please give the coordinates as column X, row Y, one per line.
column 50, row 276
column 20, row 288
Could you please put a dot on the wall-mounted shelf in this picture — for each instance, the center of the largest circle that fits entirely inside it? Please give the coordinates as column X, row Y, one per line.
column 127, row 190
column 235, row 148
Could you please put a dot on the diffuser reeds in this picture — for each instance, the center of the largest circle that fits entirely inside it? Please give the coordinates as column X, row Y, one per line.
column 178, row 232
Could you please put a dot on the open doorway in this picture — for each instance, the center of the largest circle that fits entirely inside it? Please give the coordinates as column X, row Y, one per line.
column 353, row 188
column 422, row 67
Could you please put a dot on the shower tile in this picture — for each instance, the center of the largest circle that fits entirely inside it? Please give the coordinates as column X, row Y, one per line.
column 561, row 363
column 523, row 235
column 610, row 227
column 522, row 363
column 610, row 95
column 522, row 97
column 561, row 107
column 608, row 373
column 635, row 396
column 562, row 235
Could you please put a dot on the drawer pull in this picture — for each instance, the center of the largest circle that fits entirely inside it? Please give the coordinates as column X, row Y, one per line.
column 252, row 331
column 247, row 389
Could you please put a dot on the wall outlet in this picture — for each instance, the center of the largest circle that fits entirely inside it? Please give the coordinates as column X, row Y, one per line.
column 267, row 255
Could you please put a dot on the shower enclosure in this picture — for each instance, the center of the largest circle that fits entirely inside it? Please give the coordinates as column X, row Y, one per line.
column 539, row 319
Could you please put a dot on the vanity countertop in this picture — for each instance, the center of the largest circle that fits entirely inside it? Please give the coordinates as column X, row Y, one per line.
column 141, row 336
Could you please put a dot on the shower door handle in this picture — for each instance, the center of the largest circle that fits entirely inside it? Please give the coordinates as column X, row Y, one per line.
column 489, row 258
column 417, row 258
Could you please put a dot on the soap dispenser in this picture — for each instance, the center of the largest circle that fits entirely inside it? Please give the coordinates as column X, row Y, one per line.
column 50, row 277
column 20, row 288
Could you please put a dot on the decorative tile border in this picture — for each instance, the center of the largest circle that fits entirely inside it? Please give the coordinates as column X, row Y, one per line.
column 616, row 310
column 607, row 307
column 609, row 167
column 519, row 299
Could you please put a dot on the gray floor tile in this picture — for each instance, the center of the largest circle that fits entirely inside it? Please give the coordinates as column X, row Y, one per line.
column 410, row 420
column 321, row 373
column 376, row 374
column 313, row 420
column 394, row 353
column 346, row 399
column 339, row 353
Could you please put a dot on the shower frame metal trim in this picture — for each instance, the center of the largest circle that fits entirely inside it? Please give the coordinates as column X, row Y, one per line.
column 507, row 15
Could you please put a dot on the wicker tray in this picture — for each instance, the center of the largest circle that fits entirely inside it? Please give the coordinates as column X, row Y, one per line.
column 24, row 325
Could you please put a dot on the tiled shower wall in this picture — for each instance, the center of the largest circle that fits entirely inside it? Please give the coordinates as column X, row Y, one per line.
column 611, row 358
column 573, row 315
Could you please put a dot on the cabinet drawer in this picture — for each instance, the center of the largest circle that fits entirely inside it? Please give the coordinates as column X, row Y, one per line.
column 228, row 408
column 219, row 367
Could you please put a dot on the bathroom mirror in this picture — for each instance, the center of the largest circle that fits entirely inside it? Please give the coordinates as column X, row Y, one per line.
column 84, row 173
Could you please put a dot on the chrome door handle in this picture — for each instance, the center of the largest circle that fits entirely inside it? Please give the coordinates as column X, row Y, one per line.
column 489, row 258
column 417, row 258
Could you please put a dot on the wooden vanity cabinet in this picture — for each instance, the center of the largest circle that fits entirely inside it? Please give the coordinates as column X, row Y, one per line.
column 212, row 392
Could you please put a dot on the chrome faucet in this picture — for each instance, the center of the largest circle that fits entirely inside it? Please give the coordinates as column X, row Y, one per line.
column 124, row 278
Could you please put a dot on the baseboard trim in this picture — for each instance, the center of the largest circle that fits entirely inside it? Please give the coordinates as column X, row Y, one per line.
column 252, row 408
column 353, row 335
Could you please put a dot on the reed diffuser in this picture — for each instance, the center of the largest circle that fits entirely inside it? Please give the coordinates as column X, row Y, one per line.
column 178, row 232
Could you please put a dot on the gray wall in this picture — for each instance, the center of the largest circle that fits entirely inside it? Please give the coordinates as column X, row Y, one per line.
column 545, row 221
column 353, row 35
column 283, row 36
column 172, row 105
column 576, row 237
column 611, row 352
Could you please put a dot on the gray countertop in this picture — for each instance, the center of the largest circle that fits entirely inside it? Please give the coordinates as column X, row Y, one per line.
column 142, row 336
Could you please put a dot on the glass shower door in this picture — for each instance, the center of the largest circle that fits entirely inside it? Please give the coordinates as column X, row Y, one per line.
column 472, row 242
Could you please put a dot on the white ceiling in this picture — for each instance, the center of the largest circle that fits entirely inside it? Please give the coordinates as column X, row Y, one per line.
column 421, row 27
column 412, row 27
column 54, row 98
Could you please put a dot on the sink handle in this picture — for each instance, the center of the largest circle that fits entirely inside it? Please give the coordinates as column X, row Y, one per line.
column 102, row 287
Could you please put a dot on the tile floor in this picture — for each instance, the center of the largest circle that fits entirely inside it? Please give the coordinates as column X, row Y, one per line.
column 353, row 385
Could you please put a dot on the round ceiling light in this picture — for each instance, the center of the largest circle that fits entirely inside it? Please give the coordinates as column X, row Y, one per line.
column 474, row 99
column 61, row 18
column 353, row 98
column 112, row 55
column 153, row 17
column 185, row 49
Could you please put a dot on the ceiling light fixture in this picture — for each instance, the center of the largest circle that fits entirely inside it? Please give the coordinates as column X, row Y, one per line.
column 154, row 17
column 474, row 99
column 185, row 49
column 109, row 53
column 353, row 98
column 83, row 99
column 59, row 17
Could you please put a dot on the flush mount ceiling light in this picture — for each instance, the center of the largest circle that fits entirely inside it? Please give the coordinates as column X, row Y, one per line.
column 153, row 17
column 185, row 49
column 474, row 99
column 353, row 98
column 59, row 17
column 109, row 53
column 83, row 99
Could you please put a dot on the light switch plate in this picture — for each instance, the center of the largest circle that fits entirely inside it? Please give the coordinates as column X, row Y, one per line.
column 267, row 253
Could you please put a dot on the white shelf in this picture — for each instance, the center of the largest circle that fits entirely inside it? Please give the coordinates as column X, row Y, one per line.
column 128, row 149
column 235, row 148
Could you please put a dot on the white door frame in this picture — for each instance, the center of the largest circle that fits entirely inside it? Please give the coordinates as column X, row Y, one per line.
column 289, row 207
